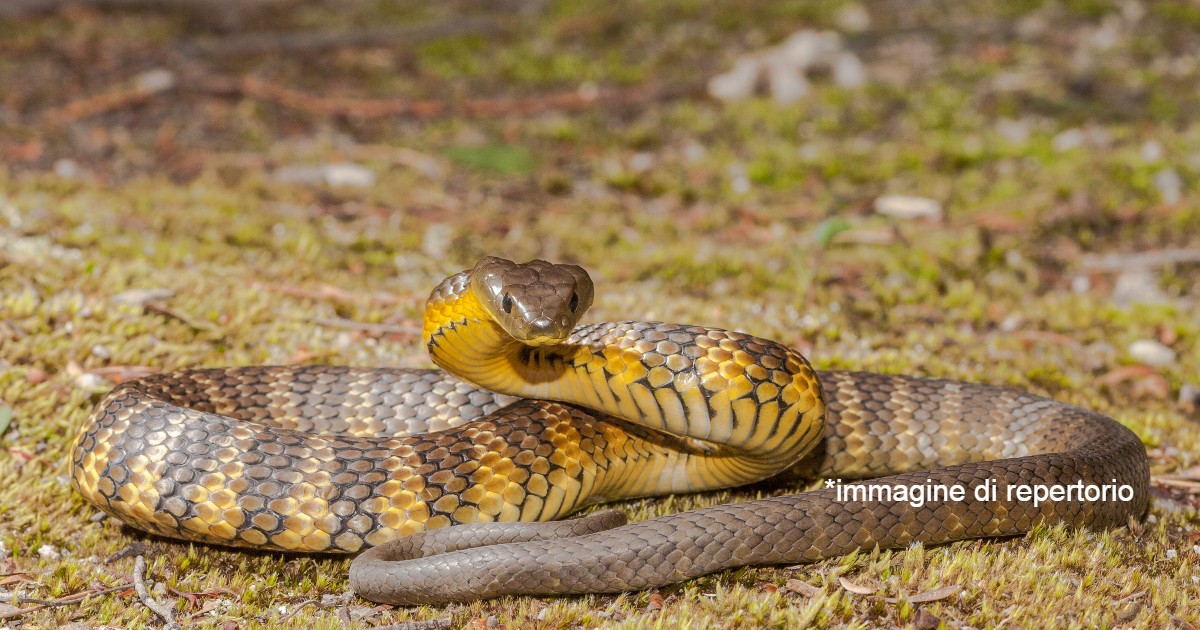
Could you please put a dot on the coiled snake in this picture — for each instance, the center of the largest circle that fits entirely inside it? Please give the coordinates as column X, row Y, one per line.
column 334, row 459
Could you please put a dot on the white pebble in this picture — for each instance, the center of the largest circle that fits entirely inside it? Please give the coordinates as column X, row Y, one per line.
column 1067, row 140
column 1171, row 554
column 66, row 169
column 101, row 352
column 49, row 552
column 805, row 48
column 437, row 239
column 1015, row 131
column 908, row 207
column 1081, row 284
column 1152, row 151
column 738, row 181
column 89, row 381
column 1011, row 323
column 853, row 18
column 1169, row 185
column 787, row 84
column 849, row 71
column 738, row 83
column 346, row 174
column 155, row 80
column 1151, row 352
column 641, row 162
column 1137, row 286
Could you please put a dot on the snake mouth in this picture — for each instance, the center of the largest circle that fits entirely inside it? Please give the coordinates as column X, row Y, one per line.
column 543, row 340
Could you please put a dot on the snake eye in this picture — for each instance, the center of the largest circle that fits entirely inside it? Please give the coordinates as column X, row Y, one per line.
column 506, row 303
column 574, row 301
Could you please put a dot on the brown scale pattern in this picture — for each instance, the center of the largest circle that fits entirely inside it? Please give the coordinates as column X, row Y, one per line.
column 1008, row 436
column 247, row 477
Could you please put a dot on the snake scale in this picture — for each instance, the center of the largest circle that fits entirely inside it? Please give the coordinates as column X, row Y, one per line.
column 534, row 418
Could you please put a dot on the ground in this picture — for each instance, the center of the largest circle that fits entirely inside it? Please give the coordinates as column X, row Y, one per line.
column 172, row 196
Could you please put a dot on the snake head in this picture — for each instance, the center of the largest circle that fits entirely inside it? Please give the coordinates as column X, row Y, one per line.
column 537, row 302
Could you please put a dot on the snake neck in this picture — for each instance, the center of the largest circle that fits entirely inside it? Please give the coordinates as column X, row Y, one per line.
column 729, row 391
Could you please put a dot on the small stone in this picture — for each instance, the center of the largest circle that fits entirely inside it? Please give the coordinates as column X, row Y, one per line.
column 101, row 352
column 97, row 517
column 641, row 162
column 347, row 174
column 1189, row 395
column 739, row 182
column 1081, row 284
column 1070, row 139
column 738, row 83
column 541, row 616
column 1011, row 322
column 849, row 71
column 1171, row 554
column 853, row 18
column 1169, row 185
column 805, row 48
column 908, row 207
column 49, row 552
column 1152, row 151
column 787, row 84
column 493, row 621
column 1015, row 131
column 298, row 174
column 1137, row 287
column 1151, row 352
column 90, row 382
column 66, row 169
column 156, row 80
column 437, row 239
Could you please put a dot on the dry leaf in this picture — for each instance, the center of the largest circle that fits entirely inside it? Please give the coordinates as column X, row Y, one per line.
column 802, row 587
column 855, row 588
column 934, row 595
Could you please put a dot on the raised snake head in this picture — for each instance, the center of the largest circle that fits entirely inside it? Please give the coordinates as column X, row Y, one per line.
column 537, row 302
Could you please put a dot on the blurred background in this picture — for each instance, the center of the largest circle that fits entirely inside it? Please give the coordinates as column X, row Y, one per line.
column 999, row 192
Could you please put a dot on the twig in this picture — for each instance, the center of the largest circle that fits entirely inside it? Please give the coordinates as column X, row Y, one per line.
column 284, row 96
column 301, row 606
column 330, row 292
column 21, row 8
column 426, row 624
column 163, row 309
column 1174, row 482
column 381, row 329
column 74, row 598
column 1140, row 260
column 312, row 42
column 66, row 600
column 145, row 87
column 139, row 584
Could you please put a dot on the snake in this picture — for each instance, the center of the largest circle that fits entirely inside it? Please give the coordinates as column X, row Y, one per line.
column 451, row 484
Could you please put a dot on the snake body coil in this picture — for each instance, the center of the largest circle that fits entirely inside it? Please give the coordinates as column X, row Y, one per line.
column 536, row 419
